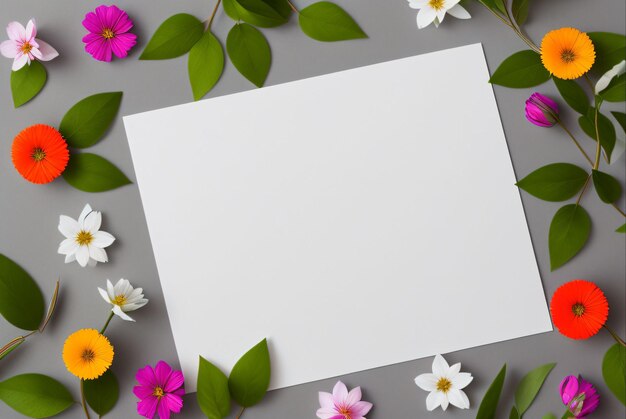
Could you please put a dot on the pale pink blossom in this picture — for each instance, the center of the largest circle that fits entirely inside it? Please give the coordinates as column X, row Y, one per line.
column 23, row 46
column 342, row 404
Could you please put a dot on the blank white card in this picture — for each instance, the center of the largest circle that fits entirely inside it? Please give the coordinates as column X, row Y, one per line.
column 356, row 219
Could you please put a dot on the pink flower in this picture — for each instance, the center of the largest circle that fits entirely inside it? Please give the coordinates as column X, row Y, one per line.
column 23, row 47
column 341, row 404
column 541, row 110
column 108, row 28
column 159, row 390
column 579, row 395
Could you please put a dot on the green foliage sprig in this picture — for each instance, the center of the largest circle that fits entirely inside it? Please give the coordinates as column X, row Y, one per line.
column 246, row 46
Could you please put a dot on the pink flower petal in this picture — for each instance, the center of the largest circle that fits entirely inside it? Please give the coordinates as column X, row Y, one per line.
column 163, row 409
column 327, row 413
column 326, row 400
column 145, row 376
column 340, row 393
column 99, row 49
column 16, row 31
column 101, row 13
column 147, row 407
column 174, row 382
column 162, row 372
column 47, row 52
column 20, row 61
column 91, row 23
column 91, row 37
column 123, row 43
column 361, row 408
column 353, row 396
column 142, row 392
column 8, row 49
column 31, row 30
column 123, row 24
column 173, row 402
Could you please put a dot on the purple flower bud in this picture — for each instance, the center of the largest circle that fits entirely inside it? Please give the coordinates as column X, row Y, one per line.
column 541, row 110
column 579, row 395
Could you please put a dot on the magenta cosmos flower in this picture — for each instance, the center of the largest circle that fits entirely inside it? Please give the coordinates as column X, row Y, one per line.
column 579, row 395
column 342, row 404
column 23, row 47
column 108, row 28
column 160, row 390
column 541, row 110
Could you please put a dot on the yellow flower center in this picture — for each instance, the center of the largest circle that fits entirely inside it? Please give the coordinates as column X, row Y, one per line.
column 38, row 154
column 88, row 355
column 119, row 300
column 443, row 385
column 158, row 392
column 345, row 412
column 26, row 48
column 578, row 309
column 436, row 4
column 84, row 238
column 567, row 56
column 108, row 33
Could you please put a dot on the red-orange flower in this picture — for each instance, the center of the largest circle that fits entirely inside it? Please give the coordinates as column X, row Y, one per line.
column 579, row 309
column 40, row 153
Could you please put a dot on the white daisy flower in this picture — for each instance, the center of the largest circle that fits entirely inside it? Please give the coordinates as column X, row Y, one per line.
column 123, row 297
column 445, row 385
column 433, row 11
column 84, row 241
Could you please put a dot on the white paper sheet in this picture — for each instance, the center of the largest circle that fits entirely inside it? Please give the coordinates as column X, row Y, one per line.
column 356, row 219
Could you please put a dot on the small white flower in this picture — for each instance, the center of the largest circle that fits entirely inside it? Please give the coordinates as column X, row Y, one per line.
column 433, row 11
column 84, row 242
column 123, row 297
column 445, row 385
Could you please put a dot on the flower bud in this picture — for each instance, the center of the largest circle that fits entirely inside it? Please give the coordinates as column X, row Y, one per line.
column 541, row 110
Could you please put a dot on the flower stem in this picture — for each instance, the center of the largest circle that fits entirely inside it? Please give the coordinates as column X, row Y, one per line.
column 104, row 328
column 598, row 145
column 508, row 21
column 582, row 192
column 213, row 14
column 615, row 336
column 82, row 399
column 562, row 125
column 293, row 7
column 243, row 409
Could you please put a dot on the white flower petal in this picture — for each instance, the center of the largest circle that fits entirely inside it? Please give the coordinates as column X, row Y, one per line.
column 110, row 290
column 617, row 70
column 121, row 287
column 118, row 311
column 47, row 51
column 8, row 49
column 459, row 399
column 134, row 306
column 454, row 370
column 459, row 12
column 68, row 246
column 92, row 262
column 434, row 400
column 104, row 295
column 461, row 380
column 84, row 213
column 92, row 222
column 340, row 391
column 102, row 239
column 441, row 14
column 440, row 366
column 98, row 254
column 20, row 62
column 68, row 226
column 82, row 255
column 417, row 4
column 16, row 31
column 425, row 17
column 444, row 401
column 70, row 258
column 427, row 381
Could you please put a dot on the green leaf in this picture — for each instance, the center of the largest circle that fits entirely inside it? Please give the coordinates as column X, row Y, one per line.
column 614, row 371
column 621, row 229
column 522, row 69
column 608, row 188
column 250, row 377
column 327, row 22
column 102, row 393
column 616, row 91
column 554, row 182
column 610, row 50
column 529, row 387
column 27, row 82
column 92, row 173
column 174, row 37
column 489, row 404
column 250, row 53
column 514, row 414
column 263, row 13
column 520, row 11
column 605, row 128
column 495, row 5
column 213, row 395
column 87, row 121
column 573, row 94
column 620, row 117
column 569, row 232
column 35, row 395
column 205, row 65
column 548, row 416
column 21, row 301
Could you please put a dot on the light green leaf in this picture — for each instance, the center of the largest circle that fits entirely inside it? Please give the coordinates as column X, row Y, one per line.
column 11, row 346
column 522, row 69
column 174, row 37
column 573, row 94
column 263, row 13
column 606, row 130
column 514, row 414
column 327, row 22
column 616, row 92
column 620, row 117
column 205, row 65
column 520, row 11
column 213, row 395
column 27, row 82
column 529, row 387
column 250, row 377
column 489, row 404
column 548, row 416
column 621, row 229
column 614, row 371
column 87, row 121
column 610, row 50
column 250, row 53
column 102, row 393
column 608, row 188
column 35, row 395
column 554, row 182
column 21, row 301
column 92, row 173
column 569, row 232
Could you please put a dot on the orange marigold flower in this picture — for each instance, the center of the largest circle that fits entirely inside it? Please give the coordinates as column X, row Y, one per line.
column 40, row 153
column 87, row 354
column 567, row 53
column 579, row 309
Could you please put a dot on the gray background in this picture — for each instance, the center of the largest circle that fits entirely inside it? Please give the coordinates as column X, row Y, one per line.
column 29, row 213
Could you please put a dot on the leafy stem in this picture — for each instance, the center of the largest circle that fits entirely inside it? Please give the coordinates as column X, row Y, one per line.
column 243, row 409
column 104, row 328
column 596, row 165
column 293, row 7
column 615, row 336
column 210, row 22
column 562, row 125
column 510, row 22
column 82, row 398
column 582, row 191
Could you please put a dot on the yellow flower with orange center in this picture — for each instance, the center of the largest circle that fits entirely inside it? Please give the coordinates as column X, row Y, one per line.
column 87, row 354
column 567, row 53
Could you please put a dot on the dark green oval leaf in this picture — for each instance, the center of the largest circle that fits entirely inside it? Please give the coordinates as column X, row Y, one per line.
column 263, row 13
column 621, row 229
column 605, row 128
column 614, row 371
column 569, row 232
column 173, row 38
column 520, row 11
column 522, row 69
column 529, row 387
column 250, row 377
column 554, row 182
column 608, row 188
column 35, row 395
column 87, row 121
column 213, row 395
column 92, row 173
column 250, row 53
column 573, row 94
column 616, row 91
column 205, row 65
column 610, row 50
column 327, row 22
column 102, row 393
column 21, row 301
column 514, row 414
column 489, row 404
column 495, row 5
column 620, row 117
column 27, row 82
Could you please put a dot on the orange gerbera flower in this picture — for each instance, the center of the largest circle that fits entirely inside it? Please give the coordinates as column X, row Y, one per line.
column 567, row 53
column 579, row 309
column 40, row 153
column 87, row 354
